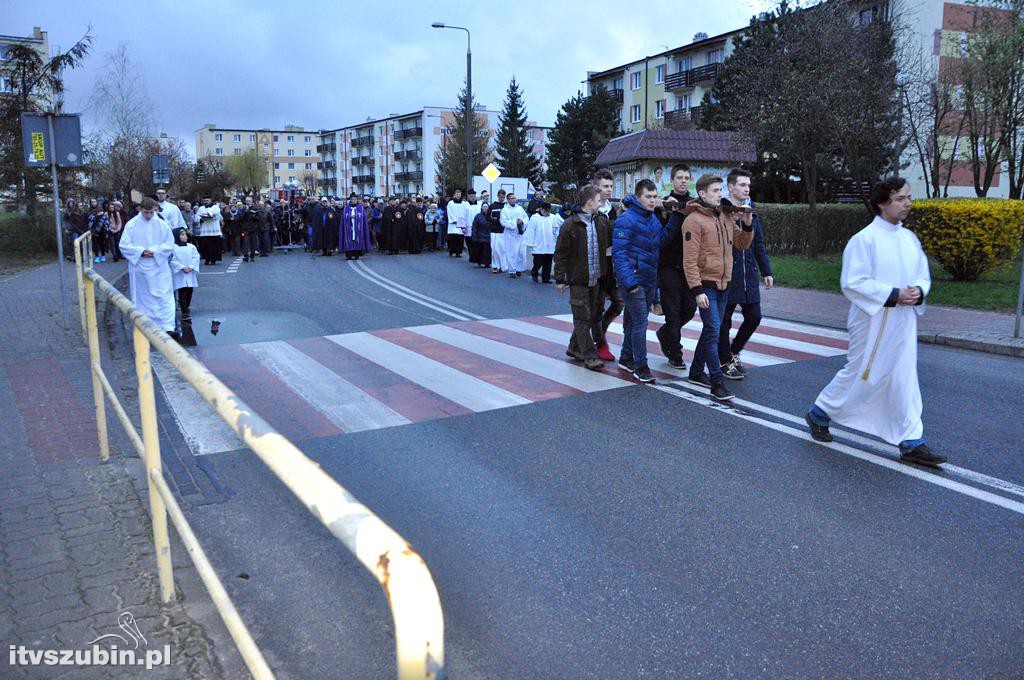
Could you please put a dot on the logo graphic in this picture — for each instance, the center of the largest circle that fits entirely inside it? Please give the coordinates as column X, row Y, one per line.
column 126, row 622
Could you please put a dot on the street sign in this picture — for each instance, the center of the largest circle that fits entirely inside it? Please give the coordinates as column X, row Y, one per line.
column 491, row 173
column 37, row 147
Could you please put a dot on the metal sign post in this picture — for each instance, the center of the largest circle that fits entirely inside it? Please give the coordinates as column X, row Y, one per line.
column 1020, row 293
column 61, row 134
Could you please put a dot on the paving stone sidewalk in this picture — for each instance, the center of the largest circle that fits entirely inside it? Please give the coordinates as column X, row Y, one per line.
column 75, row 537
column 965, row 328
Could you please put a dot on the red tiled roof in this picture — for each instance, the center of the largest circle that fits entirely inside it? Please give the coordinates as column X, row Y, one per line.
column 677, row 145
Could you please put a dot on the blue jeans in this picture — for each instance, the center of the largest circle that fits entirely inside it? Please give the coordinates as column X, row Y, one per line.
column 634, row 323
column 707, row 345
column 819, row 417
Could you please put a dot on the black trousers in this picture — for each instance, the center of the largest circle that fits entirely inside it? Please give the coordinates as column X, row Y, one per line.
column 751, row 320
column 455, row 242
column 611, row 290
column 542, row 266
column 586, row 303
column 249, row 243
column 679, row 306
column 185, row 301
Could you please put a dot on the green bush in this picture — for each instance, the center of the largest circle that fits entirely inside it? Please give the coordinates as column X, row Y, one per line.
column 22, row 234
column 788, row 228
column 968, row 236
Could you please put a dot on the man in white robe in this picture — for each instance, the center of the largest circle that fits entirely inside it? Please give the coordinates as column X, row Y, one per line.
column 169, row 211
column 513, row 221
column 540, row 238
column 148, row 244
column 885, row 277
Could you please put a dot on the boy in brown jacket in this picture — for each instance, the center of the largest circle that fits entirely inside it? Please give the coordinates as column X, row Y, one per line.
column 710, row 230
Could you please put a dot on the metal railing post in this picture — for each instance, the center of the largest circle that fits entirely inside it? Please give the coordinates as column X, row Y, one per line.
column 94, row 360
column 151, row 441
column 80, row 280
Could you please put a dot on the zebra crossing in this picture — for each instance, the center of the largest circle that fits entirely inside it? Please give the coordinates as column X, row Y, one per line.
column 352, row 382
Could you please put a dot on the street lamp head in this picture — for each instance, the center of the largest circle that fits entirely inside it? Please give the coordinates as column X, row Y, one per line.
column 437, row 24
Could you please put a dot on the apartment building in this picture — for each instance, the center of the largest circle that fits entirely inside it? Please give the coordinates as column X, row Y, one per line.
column 38, row 41
column 665, row 90
column 290, row 153
column 397, row 155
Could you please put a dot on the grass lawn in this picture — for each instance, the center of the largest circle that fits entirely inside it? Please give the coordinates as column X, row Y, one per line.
column 995, row 291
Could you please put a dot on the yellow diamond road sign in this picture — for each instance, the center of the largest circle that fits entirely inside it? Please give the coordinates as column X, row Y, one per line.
column 491, row 173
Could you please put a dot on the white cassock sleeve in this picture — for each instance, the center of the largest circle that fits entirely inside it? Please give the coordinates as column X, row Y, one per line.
column 532, row 227
column 867, row 293
column 922, row 277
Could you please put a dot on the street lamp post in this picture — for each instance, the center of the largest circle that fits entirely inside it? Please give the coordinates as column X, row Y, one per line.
column 469, row 102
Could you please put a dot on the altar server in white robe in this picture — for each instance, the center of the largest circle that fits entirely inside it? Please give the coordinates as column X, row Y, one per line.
column 184, row 272
column 885, row 277
column 540, row 238
column 513, row 221
column 148, row 244
column 169, row 211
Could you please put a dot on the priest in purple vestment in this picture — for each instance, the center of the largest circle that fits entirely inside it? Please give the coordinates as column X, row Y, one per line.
column 355, row 229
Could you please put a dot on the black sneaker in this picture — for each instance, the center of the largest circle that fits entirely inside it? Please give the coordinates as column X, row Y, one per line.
column 730, row 371
column 626, row 364
column 643, row 373
column 719, row 393
column 677, row 363
column 701, row 379
column 738, row 365
column 819, row 433
column 594, row 364
column 922, row 455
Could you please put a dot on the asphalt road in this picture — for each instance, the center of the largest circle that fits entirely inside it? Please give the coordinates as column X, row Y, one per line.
column 631, row 532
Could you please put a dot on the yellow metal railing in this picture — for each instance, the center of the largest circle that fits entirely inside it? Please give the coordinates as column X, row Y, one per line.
column 401, row 572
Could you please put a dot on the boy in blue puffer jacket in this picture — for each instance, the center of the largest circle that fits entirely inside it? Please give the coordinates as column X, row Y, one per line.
column 637, row 237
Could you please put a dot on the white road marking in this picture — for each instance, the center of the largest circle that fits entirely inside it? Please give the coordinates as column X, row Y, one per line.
column 424, row 299
column 559, row 371
column 867, row 456
column 452, row 384
column 341, row 402
column 371, row 279
column 749, row 356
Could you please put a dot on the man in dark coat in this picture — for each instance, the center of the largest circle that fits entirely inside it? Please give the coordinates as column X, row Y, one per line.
column 415, row 225
column 394, row 227
column 744, row 288
column 329, row 221
column 354, row 238
column 676, row 299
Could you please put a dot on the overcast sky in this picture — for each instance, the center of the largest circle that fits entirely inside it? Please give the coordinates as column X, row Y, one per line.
column 322, row 64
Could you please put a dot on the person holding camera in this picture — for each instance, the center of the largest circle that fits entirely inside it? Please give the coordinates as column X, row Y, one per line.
column 249, row 223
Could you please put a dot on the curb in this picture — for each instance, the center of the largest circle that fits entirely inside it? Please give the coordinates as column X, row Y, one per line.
column 978, row 342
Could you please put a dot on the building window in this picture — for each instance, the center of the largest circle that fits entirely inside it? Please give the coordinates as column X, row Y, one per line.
column 5, row 85
column 266, row 147
column 659, row 108
column 307, row 139
column 252, row 138
column 238, row 151
column 634, row 113
column 291, row 166
column 277, row 166
column 236, row 138
column 659, row 74
column 309, row 166
column 276, row 139
column 308, row 152
column 218, row 151
column 291, row 152
column 291, row 178
column 218, row 137
column 683, row 103
column 617, row 83
column 716, row 56
column 634, row 80
column 684, row 64
column 277, row 179
column 290, row 138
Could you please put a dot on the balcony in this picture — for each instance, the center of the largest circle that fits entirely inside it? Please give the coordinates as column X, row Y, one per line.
column 363, row 141
column 679, row 80
column 408, row 133
column 321, row 149
column 362, row 179
column 409, row 155
column 362, row 160
column 416, row 176
column 709, row 72
column 682, row 119
column 325, row 183
column 616, row 95
column 326, row 165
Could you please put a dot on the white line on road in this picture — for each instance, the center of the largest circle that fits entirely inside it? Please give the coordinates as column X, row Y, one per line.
column 423, row 299
column 680, row 392
column 394, row 290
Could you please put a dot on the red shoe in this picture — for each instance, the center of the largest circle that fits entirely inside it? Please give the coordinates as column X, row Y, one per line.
column 604, row 354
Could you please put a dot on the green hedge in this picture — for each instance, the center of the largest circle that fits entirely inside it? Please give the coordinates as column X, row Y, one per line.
column 22, row 234
column 788, row 227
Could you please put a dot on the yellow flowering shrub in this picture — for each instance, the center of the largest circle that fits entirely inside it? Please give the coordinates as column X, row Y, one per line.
column 968, row 236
